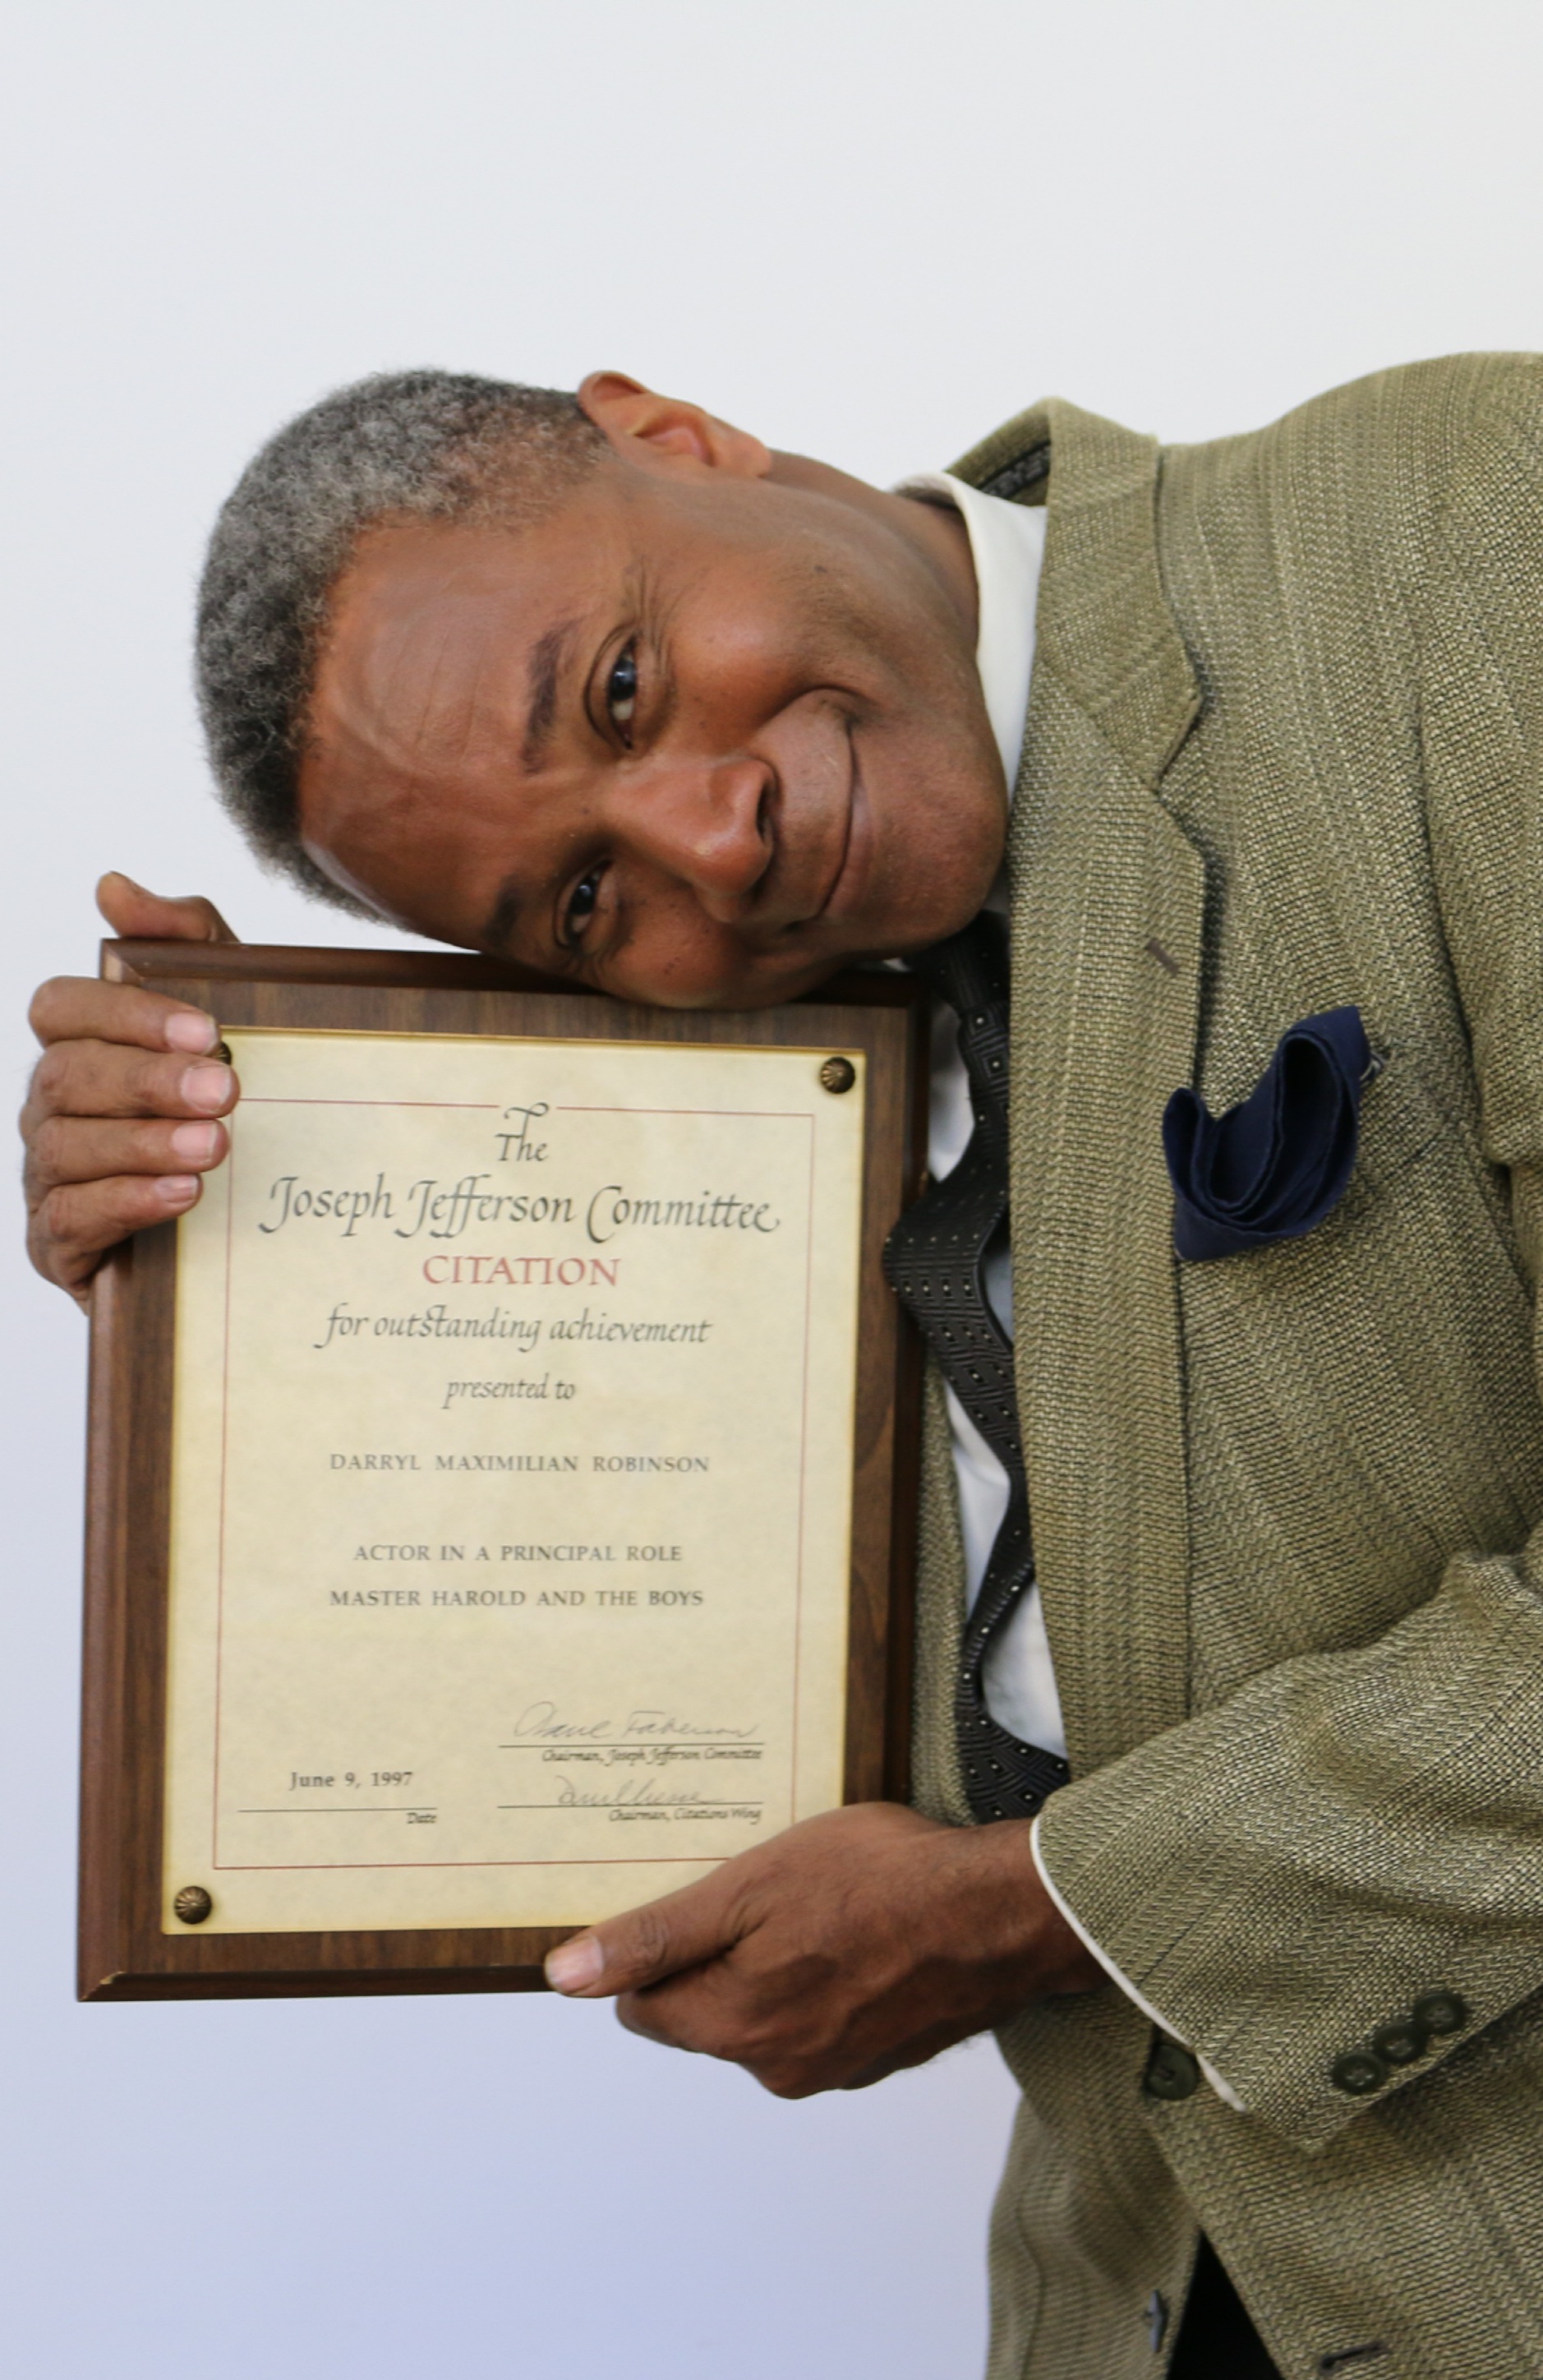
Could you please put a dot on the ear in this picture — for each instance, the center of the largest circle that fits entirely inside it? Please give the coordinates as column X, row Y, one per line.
column 663, row 431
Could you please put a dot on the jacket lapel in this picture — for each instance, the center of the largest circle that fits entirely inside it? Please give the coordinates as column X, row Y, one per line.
column 1106, row 913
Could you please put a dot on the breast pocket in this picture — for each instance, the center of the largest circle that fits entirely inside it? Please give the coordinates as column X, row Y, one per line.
column 1361, row 1403
column 1400, row 1124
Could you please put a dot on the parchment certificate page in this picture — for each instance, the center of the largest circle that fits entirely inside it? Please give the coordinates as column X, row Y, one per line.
column 511, row 1477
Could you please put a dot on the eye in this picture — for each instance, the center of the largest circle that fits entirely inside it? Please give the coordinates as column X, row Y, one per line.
column 621, row 692
column 582, row 904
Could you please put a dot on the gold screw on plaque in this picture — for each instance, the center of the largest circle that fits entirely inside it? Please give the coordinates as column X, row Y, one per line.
column 838, row 1073
column 193, row 1904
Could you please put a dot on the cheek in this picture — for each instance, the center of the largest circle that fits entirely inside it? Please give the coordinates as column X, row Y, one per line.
column 784, row 627
column 673, row 957
column 682, row 960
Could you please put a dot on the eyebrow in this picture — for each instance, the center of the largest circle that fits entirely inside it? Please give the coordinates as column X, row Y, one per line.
column 544, row 678
column 498, row 932
column 547, row 658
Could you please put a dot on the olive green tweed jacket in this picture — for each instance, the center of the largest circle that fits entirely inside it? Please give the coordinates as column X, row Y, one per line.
column 1284, row 751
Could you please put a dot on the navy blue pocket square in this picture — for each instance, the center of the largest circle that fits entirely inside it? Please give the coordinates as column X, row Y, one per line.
column 1278, row 1162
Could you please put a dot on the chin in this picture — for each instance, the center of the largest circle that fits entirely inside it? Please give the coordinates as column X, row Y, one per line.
column 948, row 880
column 941, row 918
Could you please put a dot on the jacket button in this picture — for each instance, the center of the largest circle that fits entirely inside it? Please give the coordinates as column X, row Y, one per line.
column 1358, row 2072
column 1401, row 2043
column 1172, row 2071
column 1441, row 2012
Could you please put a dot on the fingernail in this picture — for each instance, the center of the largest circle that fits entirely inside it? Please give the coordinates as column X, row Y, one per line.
column 187, row 1031
column 206, row 1086
column 178, row 1189
column 197, row 1142
column 575, row 1964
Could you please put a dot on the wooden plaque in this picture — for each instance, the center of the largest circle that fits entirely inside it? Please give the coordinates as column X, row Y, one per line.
column 500, row 1488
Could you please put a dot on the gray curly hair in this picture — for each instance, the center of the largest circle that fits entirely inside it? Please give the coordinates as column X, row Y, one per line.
column 437, row 445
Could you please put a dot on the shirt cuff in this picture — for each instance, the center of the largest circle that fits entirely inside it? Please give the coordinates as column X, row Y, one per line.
column 1219, row 2082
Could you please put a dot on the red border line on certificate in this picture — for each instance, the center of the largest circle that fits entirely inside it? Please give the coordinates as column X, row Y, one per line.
column 787, row 1115
column 268, row 1100
column 224, row 1443
column 803, row 1485
column 438, row 1868
column 801, row 1115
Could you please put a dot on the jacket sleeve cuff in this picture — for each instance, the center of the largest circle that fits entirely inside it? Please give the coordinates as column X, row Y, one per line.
column 1218, row 2082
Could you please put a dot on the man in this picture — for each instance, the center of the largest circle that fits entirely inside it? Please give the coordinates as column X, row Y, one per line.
column 613, row 691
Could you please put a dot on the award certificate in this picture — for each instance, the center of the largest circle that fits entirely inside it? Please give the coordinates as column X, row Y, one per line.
column 512, row 1467
column 499, row 1486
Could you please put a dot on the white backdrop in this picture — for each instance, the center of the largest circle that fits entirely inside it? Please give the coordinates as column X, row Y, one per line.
column 870, row 228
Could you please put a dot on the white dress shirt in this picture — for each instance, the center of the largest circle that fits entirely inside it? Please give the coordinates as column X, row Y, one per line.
column 1007, row 545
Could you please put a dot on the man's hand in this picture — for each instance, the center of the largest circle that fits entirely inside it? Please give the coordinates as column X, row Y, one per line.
column 120, row 1119
column 850, row 1946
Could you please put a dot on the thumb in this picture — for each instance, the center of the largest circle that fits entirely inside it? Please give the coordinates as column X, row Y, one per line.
column 130, row 910
column 643, row 1947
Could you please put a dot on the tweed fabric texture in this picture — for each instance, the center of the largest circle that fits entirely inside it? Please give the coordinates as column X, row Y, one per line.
column 1284, row 753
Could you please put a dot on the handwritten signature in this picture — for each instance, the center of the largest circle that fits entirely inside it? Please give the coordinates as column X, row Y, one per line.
column 541, row 1722
column 634, row 1793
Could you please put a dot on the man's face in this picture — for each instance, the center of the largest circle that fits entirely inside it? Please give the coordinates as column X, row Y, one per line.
column 698, row 737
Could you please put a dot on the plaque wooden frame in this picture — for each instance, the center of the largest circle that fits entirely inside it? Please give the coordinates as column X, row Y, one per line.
column 124, row 1953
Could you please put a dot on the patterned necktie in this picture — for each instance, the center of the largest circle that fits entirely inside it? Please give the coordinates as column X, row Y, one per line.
column 935, row 1260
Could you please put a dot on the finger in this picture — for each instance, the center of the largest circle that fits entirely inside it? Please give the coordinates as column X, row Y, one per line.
column 647, row 1944
column 68, row 1232
column 918, row 2050
column 673, row 2014
column 96, row 1078
column 82, row 1008
column 71, row 1148
column 149, row 916
column 713, row 2008
column 715, row 2011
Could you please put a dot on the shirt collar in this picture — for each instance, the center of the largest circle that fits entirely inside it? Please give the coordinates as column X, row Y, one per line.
column 1007, row 547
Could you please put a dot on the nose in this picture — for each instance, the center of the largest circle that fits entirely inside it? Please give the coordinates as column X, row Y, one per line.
column 703, row 822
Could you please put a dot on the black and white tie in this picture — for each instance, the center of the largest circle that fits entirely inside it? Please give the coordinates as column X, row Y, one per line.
column 935, row 1261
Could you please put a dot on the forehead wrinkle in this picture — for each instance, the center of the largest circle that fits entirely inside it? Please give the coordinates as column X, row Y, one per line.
column 397, row 716
column 453, row 730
